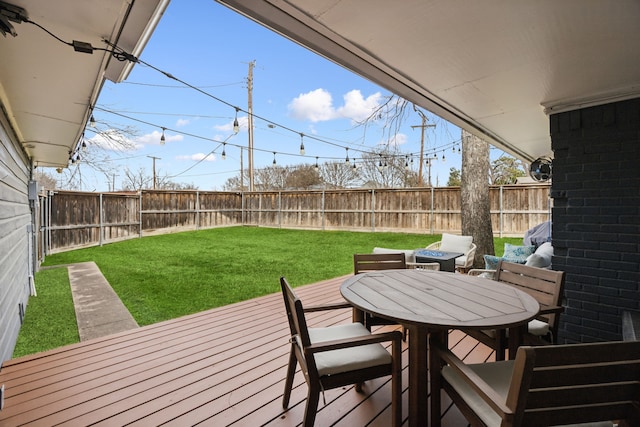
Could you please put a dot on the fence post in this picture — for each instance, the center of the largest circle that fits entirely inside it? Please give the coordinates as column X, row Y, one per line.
column 501, row 211
column 197, row 210
column 280, row 209
column 242, row 207
column 432, row 215
column 101, row 220
column 140, row 213
column 373, row 210
column 323, row 210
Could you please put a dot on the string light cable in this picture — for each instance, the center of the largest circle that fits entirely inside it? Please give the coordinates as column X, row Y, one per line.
column 121, row 55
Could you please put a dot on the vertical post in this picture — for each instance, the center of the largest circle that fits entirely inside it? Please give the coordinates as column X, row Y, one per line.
column 323, row 210
column 433, row 210
column 242, row 207
column 373, row 210
column 155, row 180
column 197, row 210
column 501, row 211
column 101, row 220
column 280, row 209
column 250, row 121
column 140, row 213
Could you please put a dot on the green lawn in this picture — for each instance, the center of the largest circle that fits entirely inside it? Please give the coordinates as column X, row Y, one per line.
column 163, row 277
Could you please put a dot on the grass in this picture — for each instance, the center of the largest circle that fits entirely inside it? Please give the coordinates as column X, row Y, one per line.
column 50, row 319
column 167, row 276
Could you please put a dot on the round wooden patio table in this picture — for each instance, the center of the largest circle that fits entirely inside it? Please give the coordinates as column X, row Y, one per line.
column 434, row 301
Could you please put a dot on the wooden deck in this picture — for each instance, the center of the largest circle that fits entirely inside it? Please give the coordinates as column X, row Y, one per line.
column 220, row 367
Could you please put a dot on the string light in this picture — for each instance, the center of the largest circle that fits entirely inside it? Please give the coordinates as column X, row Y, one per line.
column 236, row 125
column 224, row 153
column 121, row 55
column 347, row 159
column 443, row 159
column 354, row 164
column 301, row 144
column 274, row 158
column 316, row 166
column 84, row 144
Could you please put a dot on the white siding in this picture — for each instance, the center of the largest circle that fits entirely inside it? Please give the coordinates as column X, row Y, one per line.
column 15, row 218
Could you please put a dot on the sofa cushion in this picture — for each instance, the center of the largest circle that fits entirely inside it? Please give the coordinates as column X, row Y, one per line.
column 517, row 254
column 541, row 257
column 491, row 262
column 454, row 243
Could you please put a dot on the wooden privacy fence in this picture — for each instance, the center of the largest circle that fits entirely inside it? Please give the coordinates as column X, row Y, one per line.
column 70, row 220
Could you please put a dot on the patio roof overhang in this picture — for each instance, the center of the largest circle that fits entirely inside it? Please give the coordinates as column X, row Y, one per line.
column 46, row 88
column 495, row 68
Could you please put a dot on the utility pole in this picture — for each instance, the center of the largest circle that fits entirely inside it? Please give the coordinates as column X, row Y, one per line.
column 423, row 126
column 155, row 181
column 250, row 121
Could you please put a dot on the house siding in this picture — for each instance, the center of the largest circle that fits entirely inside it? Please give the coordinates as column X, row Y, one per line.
column 596, row 217
column 15, row 220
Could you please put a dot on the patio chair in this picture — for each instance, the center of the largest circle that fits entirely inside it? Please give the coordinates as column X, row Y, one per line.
column 375, row 262
column 546, row 286
column 336, row 356
column 454, row 243
column 544, row 386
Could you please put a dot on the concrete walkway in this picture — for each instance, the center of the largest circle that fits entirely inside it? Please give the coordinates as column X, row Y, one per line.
column 99, row 311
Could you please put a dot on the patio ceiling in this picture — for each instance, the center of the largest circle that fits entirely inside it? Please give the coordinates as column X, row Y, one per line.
column 496, row 68
column 46, row 88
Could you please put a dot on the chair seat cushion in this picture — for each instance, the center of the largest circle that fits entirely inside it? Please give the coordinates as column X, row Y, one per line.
column 534, row 327
column 348, row 359
column 498, row 376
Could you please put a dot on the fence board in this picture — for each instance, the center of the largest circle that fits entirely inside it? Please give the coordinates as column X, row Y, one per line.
column 73, row 219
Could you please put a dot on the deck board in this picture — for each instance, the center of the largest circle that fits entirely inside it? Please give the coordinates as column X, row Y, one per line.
column 224, row 366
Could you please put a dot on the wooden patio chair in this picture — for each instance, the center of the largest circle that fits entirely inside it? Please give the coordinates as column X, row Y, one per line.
column 544, row 386
column 546, row 286
column 336, row 356
column 375, row 262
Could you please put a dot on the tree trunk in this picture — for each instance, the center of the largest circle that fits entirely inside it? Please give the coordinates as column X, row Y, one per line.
column 474, row 193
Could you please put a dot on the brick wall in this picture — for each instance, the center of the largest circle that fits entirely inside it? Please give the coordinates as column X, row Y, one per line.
column 596, row 217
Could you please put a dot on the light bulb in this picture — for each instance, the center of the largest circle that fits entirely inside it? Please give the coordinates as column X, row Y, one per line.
column 316, row 166
column 92, row 121
column 236, row 125
column 162, row 138
column 224, row 154
column 301, row 149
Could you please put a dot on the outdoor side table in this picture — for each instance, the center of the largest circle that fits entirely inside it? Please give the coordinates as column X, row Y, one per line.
column 447, row 260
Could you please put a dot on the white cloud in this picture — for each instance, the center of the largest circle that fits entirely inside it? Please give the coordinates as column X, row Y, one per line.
column 198, row 157
column 113, row 140
column 356, row 107
column 396, row 140
column 317, row 106
column 182, row 122
column 153, row 138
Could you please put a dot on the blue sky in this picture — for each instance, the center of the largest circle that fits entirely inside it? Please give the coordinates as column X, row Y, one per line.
column 209, row 47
